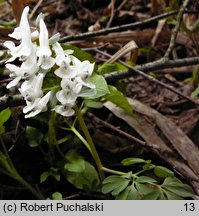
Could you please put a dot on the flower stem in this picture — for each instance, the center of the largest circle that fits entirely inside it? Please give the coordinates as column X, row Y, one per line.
column 90, row 142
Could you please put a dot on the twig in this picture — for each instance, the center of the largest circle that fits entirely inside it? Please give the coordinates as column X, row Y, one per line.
column 152, row 79
column 176, row 29
column 17, row 100
column 116, row 28
column 112, row 13
column 35, row 8
column 152, row 66
column 124, row 134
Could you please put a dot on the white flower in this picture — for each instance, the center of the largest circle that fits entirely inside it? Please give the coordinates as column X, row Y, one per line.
column 23, row 33
column 64, row 110
column 39, row 105
column 32, row 89
column 27, row 70
column 44, row 53
column 69, row 92
column 84, row 71
column 63, row 60
column 71, row 85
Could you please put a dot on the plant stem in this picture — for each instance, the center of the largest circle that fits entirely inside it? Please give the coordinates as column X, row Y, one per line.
column 90, row 142
column 117, row 172
column 13, row 173
column 76, row 132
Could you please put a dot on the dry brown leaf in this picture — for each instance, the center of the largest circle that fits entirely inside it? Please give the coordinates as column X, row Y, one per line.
column 182, row 144
column 17, row 7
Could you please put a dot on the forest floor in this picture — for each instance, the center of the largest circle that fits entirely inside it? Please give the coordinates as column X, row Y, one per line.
column 165, row 128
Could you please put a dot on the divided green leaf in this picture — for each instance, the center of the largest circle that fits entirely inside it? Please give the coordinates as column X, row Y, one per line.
column 175, row 186
column 162, row 172
column 115, row 184
column 131, row 161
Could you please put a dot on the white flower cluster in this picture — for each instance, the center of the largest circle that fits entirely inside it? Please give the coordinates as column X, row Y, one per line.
column 36, row 60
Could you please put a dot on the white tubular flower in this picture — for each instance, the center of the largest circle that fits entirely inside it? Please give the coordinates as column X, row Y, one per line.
column 39, row 105
column 63, row 60
column 64, row 110
column 27, row 70
column 69, row 92
column 84, row 71
column 23, row 33
column 32, row 89
column 44, row 53
column 16, row 73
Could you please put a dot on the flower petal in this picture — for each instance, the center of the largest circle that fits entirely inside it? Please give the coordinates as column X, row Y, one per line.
column 64, row 110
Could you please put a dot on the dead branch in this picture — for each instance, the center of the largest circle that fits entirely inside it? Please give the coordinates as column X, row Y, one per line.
column 116, row 28
column 176, row 29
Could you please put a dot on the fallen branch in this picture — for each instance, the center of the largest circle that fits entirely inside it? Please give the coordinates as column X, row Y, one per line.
column 152, row 66
column 150, row 78
column 116, row 28
column 8, row 101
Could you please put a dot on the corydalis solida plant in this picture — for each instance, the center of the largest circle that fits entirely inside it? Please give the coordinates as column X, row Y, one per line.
column 38, row 55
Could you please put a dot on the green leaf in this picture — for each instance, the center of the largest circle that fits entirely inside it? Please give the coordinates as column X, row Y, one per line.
column 93, row 104
column 152, row 195
column 114, row 184
column 172, row 196
column 145, row 179
column 101, row 86
column 34, row 136
column 117, row 97
column 4, row 115
column 86, row 179
column 148, row 166
column 54, row 172
column 144, row 189
column 75, row 166
column 131, row 161
column 108, row 68
column 195, row 93
column 72, row 155
column 79, row 53
column 130, row 193
column 177, row 187
column 57, row 196
column 44, row 176
column 162, row 172
column 162, row 195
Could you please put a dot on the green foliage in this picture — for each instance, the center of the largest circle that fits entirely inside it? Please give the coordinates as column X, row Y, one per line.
column 195, row 93
column 108, row 68
column 141, row 187
column 117, row 97
column 4, row 116
column 176, row 187
column 57, row 196
column 131, row 161
column 162, row 172
column 115, row 184
column 81, row 173
column 93, row 103
column 79, row 53
column 53, row 172
column 101, row 86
